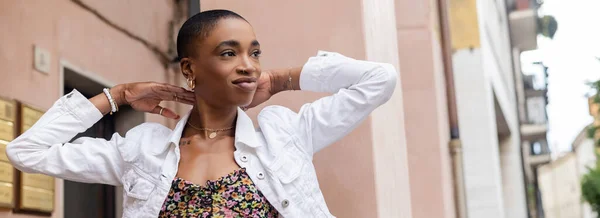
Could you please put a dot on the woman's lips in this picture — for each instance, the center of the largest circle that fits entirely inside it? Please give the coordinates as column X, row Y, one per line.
column 247, row 84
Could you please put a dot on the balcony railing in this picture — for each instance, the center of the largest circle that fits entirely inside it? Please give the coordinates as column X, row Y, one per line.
column 536, row 99
column 533, row 132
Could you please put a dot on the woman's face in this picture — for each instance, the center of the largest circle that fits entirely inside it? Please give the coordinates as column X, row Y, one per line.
column 226, row 66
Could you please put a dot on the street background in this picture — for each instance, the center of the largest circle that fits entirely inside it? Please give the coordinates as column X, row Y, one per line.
column 495, row 114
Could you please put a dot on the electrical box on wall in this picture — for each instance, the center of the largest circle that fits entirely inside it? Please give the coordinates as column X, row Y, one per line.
column 41, row 59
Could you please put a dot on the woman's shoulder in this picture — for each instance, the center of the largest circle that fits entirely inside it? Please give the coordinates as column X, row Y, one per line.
column 276, row 111
column 281, row 128
column 145, row 136
column 146, row 128
column 277, row 119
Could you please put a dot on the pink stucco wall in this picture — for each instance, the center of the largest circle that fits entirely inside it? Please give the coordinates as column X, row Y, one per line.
column 427, row 132
column 73, row 34
column 148, row 21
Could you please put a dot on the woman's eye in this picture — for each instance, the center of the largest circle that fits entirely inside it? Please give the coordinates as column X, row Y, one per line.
column 228, row 54
column 256, row 53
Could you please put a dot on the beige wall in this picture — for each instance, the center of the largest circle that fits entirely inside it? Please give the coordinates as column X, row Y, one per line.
column 76, row 35
column 477, row 122
column 483, row 77
column 389, row 138
column 497, row 65
column 586, row 159
column 560, row 187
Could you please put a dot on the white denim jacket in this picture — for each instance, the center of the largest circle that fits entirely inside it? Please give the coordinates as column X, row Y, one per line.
column 277, row 155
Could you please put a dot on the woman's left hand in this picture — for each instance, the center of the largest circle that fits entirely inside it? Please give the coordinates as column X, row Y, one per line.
column 264, row 91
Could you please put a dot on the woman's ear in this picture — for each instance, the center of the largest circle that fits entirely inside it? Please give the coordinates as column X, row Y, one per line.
column 186, row 68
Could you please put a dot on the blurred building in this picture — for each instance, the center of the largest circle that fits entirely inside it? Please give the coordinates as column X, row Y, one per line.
column 484, row 67
column 559, row 181
column 534, row 126
column 585, row 150
column 448, row 144
column 531, row 93
column 559, row 184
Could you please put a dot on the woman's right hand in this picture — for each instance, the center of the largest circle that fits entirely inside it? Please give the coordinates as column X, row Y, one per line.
column 147, row 96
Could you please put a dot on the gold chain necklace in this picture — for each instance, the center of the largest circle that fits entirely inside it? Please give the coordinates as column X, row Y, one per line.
column 212, row 132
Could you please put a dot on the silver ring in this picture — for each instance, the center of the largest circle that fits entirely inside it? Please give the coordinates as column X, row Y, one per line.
column 176, row 99
column 161, row 111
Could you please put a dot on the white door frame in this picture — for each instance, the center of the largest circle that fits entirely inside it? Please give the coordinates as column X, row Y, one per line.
column 88, row 74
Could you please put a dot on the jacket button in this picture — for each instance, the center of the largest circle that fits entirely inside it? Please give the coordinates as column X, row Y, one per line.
column 244, row 158
column 285, row 203
column 261, row 175
column 130, row 187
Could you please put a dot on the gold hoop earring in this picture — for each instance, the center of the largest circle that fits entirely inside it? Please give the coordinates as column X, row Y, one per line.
column 191, row 83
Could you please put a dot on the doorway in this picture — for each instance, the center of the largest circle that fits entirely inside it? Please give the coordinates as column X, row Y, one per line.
column 95, row 200
column 81, row 199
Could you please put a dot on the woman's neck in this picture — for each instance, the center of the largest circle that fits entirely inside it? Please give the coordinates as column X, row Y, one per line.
column 209, row 117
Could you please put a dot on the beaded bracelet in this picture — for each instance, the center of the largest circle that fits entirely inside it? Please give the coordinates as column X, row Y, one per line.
column 113, row 106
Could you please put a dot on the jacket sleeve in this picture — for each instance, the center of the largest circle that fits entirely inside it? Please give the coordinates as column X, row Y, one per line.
column 358, row 86
column 45, row 147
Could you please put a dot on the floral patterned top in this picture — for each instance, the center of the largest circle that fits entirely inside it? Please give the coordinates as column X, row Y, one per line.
column 233, row 195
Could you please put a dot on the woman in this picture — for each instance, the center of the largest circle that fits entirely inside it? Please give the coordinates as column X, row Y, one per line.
column 215, row 163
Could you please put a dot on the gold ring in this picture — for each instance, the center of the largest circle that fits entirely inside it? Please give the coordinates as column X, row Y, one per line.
column 161, row 111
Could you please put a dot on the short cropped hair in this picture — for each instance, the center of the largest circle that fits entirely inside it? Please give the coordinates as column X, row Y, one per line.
column 199, row 27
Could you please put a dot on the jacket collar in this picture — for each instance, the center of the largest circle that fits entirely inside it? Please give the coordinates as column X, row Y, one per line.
column 245, row 132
